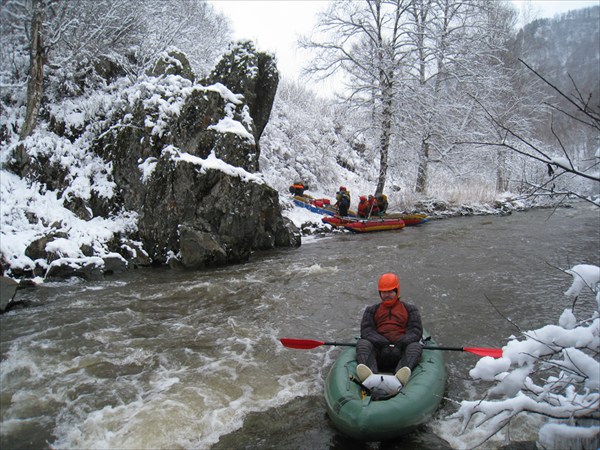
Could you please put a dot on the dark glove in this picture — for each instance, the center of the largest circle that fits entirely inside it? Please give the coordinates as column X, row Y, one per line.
column 402, row 342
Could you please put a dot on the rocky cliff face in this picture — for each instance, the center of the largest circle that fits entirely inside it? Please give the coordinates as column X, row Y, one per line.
column 252, row 74
column 184, row 164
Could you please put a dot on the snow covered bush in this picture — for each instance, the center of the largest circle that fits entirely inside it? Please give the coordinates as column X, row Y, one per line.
column 310, row 139
column 552, row 372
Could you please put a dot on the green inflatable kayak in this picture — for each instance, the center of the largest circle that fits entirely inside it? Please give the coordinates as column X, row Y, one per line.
column 355, row 414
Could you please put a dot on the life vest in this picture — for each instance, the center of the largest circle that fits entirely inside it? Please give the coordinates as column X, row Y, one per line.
column 343, row 197
column 391, row 322
column 298, row 188
column 373, row 206
column 363, row 208
column 382, row 202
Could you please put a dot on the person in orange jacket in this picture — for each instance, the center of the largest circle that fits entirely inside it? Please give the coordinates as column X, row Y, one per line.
column 298, row 188
column 363, row 207
column 390, row 334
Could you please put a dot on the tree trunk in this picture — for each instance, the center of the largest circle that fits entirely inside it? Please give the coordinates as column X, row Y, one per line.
column 34, row 83
column 421, row 186
column 386, row 132
column 501, row 181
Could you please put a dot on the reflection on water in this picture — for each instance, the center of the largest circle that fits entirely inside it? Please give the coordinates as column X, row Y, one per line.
column 182, row 359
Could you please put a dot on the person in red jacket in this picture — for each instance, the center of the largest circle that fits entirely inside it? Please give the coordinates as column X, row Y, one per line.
column 373, row 206
column 363, row 207
column 390, row 334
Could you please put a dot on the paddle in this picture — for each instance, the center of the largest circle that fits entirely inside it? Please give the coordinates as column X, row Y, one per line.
column 306, row 344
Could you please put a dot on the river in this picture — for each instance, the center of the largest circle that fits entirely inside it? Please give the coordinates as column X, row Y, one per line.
column 159, row 358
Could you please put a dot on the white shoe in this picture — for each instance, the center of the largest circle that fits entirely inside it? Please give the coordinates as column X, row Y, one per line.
column 363, row 372
column 403, row 375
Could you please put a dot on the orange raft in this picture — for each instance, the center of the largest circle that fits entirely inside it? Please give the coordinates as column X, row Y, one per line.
column 409, row 219
column 365, row 225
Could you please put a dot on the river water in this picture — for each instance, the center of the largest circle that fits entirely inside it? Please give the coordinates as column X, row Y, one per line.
column 159, row 358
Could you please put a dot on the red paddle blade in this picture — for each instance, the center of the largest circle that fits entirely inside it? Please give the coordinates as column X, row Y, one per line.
column 302, row 344
column 493, row 352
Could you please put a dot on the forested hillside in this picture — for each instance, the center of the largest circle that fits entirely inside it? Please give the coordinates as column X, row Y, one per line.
column 566, row 51
column 327, row 143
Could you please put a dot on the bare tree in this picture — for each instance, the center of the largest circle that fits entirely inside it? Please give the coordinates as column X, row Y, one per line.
column 457, row 55
column 59, row 31
column 558, row 164
column 37, row 58
column 416, row 65
column 366, row 42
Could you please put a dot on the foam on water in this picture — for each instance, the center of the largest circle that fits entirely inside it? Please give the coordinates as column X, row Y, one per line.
column 157, row 402
column 187, row 405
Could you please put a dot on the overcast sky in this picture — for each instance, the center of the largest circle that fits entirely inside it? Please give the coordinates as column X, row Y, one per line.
column 274, row 25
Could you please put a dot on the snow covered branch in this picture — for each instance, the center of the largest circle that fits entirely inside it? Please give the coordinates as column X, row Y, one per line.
column 551, row 372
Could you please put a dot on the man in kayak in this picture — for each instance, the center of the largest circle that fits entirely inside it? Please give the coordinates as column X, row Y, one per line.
column 390, row 334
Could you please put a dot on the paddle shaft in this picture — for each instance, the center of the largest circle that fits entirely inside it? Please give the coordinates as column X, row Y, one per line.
column 452, row 349
column 306, row 344
column 352, row 344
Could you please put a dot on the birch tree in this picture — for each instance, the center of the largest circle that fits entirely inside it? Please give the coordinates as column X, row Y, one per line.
column 418, row 65
column 365, row 41
column 456, row 61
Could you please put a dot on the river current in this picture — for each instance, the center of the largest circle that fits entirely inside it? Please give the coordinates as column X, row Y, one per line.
column 159, row 358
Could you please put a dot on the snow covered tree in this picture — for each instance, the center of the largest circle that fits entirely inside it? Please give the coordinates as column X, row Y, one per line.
column 60, row 34
column 418, row 66
column 366, row 42
column 74, row 44
column 551, row 113
column 457, row 59
column 567, row 174
column 192, row 26
column 23, row 34
column 551, row 372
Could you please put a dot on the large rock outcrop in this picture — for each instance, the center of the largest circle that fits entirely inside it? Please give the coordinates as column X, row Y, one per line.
column 207, row 217
column 183, row 158
column 199, row 205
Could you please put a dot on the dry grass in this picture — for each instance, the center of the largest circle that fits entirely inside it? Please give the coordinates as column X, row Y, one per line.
column 467, row 193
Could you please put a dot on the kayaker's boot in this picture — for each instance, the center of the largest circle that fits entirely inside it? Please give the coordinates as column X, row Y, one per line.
column 363, row 372
column 403, row 375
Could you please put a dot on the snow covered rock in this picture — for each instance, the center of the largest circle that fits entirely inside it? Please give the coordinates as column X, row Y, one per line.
column 157, row 170
column 254, row 75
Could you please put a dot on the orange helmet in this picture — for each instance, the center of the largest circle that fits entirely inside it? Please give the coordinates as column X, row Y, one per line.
column 389, row 282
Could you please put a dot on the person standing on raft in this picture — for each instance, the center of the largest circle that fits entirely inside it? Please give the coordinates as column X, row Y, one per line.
column 390, row 334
